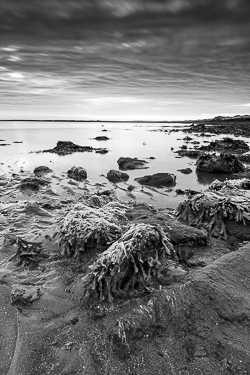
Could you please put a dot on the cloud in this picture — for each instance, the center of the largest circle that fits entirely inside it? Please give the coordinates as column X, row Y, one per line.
column 74, row 17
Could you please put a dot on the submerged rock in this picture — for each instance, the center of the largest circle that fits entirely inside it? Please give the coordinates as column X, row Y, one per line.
column 157, row 180
column 131, row 163
column 185, row 170
column 117, row 176
column 224, row 163
column 77, row 173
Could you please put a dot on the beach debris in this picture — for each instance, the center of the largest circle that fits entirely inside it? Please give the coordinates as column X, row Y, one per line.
column 27, row 253
column 117, row 176
column 130, row 264
column 77, row 173
column 223, row 163
column 41, row 170
column 85, row 228
column 214, row 211
column 157, row 180
column 126, row 163
column 185, row 170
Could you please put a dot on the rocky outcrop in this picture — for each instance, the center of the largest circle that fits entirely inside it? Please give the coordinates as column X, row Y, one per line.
column 101, row 138
column 77, row 173
column 67, row 147
column 32, row 183
column 226, row 144
column 223, row 163
column 189, row 153
column 131, row 163
column 117, row 176
column 157, row 180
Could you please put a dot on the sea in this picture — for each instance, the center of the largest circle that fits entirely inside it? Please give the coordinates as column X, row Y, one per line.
column 155, row 143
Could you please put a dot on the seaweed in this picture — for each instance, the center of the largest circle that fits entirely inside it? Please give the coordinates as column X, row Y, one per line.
column 27, row 252
column 130, row 264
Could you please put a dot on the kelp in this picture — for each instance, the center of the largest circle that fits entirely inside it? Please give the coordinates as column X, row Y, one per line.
column 243, row 183
column 210, row 210
column 27, row 252
column 130, row 264
column 85, row 228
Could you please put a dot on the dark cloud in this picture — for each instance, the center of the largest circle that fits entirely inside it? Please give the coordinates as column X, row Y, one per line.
column 72, row 17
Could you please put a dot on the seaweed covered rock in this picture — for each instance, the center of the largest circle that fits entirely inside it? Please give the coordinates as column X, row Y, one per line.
column 226, row 144
column 157, row 180
column 131, row 163
column 101, row 138
column 243, row 183
column 223, row 163
column 85, row 228
column 77, row 173
column 32, row 183
column 189, row 153
column 117, row 176
column 129, row 264
column 68, row 147
column 220, row 214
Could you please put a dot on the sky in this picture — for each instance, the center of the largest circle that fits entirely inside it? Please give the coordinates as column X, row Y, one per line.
column 124, row 59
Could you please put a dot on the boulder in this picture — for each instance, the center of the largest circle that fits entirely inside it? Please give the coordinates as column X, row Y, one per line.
column 185, row 170
column 101, row 138
column 117, row 176
column 77, row 173
column 39, row 171
column 223, row 163
column 157, row 180
column 32, row 183
column 131, row 163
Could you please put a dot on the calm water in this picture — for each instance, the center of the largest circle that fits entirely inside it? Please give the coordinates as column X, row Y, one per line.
column 130, row 139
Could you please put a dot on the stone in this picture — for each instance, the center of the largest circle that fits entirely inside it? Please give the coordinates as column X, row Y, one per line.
column 77, row 173
column 131, row 163
column 226, row 144
column 117, row 176
column 223, row 163
column 39, row 171
column 185, row 170
column 101, row 138
column 32, row 183
column 157, row 180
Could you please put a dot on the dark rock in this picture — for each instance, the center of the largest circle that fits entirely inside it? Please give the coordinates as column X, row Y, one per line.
column 77, row 173
column 151, row 157
column 4, row 144
column 131, row 163
column 101, row 138
column 185, row 170
column 117, row 176
column 187, row 138
column 184, row 147
column 157, row 180
column 32, row 183
column 244, row 158
column 224, row 163
column 226, row 144
column 17, row 142
column 130, row 187
column 101, row 151
column 39, row 171
column 104, row 130
column 67, row 147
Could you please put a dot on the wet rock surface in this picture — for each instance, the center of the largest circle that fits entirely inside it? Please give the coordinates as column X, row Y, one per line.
column 41, row 170
column 101, row 138
column 157, row 180
column 227, row 145
column 126, row 163
column 223, row 163
column 185, row 170
column 77, row 173
column 117, row 176
column 32, row 183
column 68, row 147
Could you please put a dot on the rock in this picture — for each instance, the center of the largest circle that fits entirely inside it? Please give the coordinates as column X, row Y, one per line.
column 24, row 295
column 117, row 176
column 187, row 138
column 189, row 153
column 227, row 144
column 67, row 147
column 131, row 163
column 77, row 173
column 224, row 163
column 157, row 180
column 39, row 171
column 104, row 130
column 32, row 183
column 185, row 170
column 184, row 147
column 101, row 151
column 101, row 138
column 244, row 158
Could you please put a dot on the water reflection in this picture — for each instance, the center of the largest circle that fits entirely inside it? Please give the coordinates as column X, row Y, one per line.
column 205, row 178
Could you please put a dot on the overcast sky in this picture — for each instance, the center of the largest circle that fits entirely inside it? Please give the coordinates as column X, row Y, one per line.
column 124, row 59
